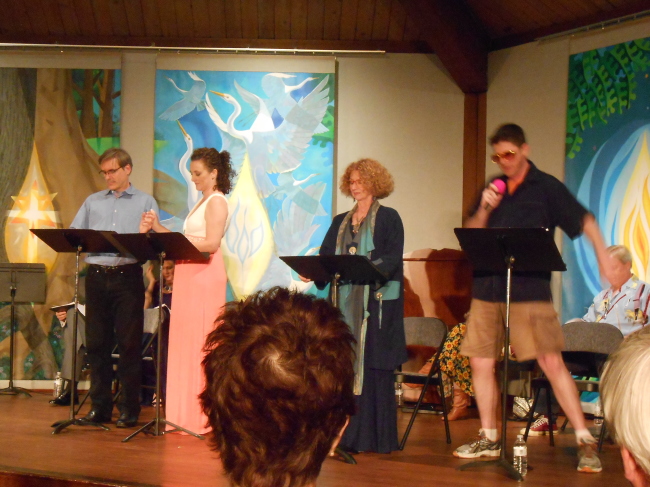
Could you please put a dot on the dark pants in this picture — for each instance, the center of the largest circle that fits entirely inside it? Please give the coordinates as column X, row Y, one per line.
column 115, row 301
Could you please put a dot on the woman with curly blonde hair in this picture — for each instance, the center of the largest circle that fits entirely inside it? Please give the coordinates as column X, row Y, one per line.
column 374, row 313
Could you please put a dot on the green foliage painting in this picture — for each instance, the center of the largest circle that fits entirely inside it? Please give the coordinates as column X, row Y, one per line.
column 602, row 84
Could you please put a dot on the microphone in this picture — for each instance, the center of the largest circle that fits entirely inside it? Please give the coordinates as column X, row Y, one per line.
column 501, row 188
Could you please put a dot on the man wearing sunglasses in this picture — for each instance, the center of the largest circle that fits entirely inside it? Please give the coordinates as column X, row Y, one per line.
column 524, row 197
column 114, row 292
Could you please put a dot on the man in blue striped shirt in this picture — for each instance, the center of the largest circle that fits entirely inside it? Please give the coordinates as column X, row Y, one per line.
column 114, row 292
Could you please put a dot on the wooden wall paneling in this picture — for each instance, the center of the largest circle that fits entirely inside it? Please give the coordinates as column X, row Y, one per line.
column 315, row 19
column 69, row 17
column 249, row 19
column 349, row 10
column 332, row 19
column 603, row 4
column 397, row 21
column 541, row 12
column 630, row 7
column 553, row 10
column 102, row 16
column 381, row 19
column 167, row 19
column 16, row 18
column 365, row 18
column 37, row 19
column 534, row 19
column 491, row 18
column 49, row 11
column 233, row 19
column 52, row 15
column 217, row 11
column 411, row 31
column 135, row 18
column 266, row 19
column 151, row 18
column 299, row 19
column 86, row 17
column 579, row 7
column 184, row 20
column 282, row 19
column 118, row 18
column 200, row 19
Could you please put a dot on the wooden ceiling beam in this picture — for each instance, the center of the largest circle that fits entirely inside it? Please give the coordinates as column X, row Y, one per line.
column 190, row 42
column 448, row 27
column 601, row 17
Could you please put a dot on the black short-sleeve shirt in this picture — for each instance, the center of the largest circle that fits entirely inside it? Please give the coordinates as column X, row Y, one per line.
column 541, row 200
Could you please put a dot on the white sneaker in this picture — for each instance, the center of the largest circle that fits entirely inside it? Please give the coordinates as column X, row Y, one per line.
column 589, row 461
column 480, row 447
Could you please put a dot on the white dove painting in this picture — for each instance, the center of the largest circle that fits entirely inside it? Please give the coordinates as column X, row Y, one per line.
column 279, row 130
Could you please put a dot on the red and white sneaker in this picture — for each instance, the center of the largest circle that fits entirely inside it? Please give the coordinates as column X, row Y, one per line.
column 539, row 427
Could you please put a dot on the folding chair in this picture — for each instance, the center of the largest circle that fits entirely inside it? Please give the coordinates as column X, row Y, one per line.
column 431, row 332
column 587, row 346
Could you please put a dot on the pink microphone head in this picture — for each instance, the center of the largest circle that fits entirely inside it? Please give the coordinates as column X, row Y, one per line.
column 501, row 186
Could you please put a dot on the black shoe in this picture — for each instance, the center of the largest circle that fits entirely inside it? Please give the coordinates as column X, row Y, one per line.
column 127, row 420
column 95, row 416
column 64, row 399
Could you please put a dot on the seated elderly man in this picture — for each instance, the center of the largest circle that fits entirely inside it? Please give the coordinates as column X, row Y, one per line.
column 625, row 303
column 626, row 399
column 279, row 387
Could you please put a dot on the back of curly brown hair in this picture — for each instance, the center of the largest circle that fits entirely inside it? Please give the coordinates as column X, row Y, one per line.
column 213, row 159
column 374, row 176
column 279, row 386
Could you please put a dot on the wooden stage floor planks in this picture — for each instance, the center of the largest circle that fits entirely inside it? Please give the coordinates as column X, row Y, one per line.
column 87, row 454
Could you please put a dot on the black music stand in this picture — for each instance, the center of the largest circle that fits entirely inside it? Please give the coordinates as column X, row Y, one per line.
column 159, row 246
column 19, row 283
column 77, row 241
column 504, row 250
column 336, row 268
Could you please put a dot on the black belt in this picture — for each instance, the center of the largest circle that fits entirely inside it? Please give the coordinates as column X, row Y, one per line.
column 112, row 269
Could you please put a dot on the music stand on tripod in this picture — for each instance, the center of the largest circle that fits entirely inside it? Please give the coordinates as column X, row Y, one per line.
column 336, row 268
column 19, row 283
column 159, row 246
column 77, row 241
column 357, row 269
column 504, row 250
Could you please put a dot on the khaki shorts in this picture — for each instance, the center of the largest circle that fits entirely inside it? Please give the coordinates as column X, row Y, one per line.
column 534, row 330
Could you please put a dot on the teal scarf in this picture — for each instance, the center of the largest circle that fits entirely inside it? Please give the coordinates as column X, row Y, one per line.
column 349, row 302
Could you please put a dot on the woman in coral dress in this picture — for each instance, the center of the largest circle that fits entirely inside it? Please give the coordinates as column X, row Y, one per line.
column 199, row 288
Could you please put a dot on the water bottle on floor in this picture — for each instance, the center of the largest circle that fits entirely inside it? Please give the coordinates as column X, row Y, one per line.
column 57, row 390
column 598, row 413
column 520, row 456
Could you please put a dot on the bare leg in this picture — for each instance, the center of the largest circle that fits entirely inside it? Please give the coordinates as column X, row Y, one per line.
column 564, row 387
column 486, row 390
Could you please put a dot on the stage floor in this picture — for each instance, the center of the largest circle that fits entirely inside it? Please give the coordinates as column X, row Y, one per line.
column 90, row 454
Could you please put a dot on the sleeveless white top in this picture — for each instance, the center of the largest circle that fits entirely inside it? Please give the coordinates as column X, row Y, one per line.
column 195, row 222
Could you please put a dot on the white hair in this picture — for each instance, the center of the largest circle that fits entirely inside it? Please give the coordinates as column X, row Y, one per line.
column 621, row 252
column 625, row 389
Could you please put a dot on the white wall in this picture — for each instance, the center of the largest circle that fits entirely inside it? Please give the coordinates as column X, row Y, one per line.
column 405, row 111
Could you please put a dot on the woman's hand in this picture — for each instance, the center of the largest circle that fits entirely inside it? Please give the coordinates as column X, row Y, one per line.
column 304, row 279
